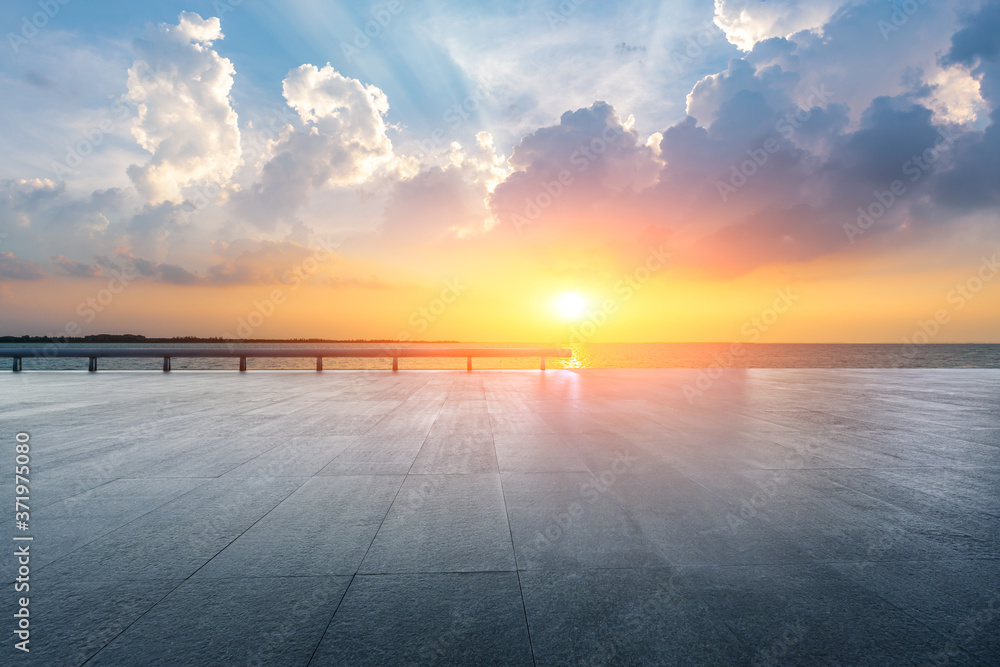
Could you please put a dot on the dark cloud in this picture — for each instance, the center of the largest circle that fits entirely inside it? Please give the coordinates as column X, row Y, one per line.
column 980, row 38
column 570, row 171
column 176, row 275
column 973, row 183
column 759, row 178
column 623, row 48
column 140, row 267
column 892, row 132
column 74, row 269
column 12, row 268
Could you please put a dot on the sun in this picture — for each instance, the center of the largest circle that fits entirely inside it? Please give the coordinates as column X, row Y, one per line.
column 571, row 305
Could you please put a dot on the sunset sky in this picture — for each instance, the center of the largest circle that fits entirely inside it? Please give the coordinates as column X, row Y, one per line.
column 780, row 171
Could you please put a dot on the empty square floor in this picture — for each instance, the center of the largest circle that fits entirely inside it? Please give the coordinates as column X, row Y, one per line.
column 597, row 517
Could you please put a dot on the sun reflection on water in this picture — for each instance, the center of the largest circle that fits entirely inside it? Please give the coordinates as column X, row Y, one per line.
column 580, row 358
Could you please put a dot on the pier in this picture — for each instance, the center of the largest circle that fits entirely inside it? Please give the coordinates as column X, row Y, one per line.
column 506, row 517
column 244, row 352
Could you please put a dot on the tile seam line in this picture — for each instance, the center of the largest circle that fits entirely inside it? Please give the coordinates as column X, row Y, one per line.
column 388, row 509
column 857, row 586
column 185, row 579
column 133, row 520
column 382, row 419
column 510, row 531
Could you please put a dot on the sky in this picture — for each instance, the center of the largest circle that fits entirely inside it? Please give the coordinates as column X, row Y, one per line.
column 549, row 171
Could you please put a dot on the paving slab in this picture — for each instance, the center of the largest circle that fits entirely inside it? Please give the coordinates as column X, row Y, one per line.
column 269, row 621
column 429, row 619
column 780, row 516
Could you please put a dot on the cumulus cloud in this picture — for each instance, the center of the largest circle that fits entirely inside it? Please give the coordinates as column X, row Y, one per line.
column 41, row 217
column 746, row 22
column 736, row 206
column 972, row 183
column 787, row 179
column 853, row 59
column 342, row 141
column 769, row 85
column 152, row 225
column 448, row 200
column 574, row 171
column 843, row 108
column 180, row 87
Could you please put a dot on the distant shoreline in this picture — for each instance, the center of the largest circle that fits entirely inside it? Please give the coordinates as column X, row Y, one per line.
column 139, row 339
column 133, row 338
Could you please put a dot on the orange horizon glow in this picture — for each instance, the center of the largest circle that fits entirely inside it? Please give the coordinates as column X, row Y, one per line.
column 875, row 302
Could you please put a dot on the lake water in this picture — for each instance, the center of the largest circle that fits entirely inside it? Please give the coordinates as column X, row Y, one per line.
column 595, row 355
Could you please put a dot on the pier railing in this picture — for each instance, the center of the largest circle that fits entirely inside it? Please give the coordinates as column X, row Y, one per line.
column 244, row 353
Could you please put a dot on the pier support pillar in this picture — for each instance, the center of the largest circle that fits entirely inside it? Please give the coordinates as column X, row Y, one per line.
column 17, row 365
column 243, row 364
column 166, row 364
column 93, row 365
column 543, row 363
column 395, row 363
column 468, row 363
column 319, row 363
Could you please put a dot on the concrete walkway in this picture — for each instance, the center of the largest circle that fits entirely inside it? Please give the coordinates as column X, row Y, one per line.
column 506, row 517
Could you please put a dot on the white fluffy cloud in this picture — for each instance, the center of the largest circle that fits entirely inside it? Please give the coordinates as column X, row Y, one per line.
column 180, row 87
column 341, row 142
column 348, row 113
column 747, row 22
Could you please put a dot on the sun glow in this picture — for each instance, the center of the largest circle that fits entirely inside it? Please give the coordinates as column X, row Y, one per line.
column 571, row 305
